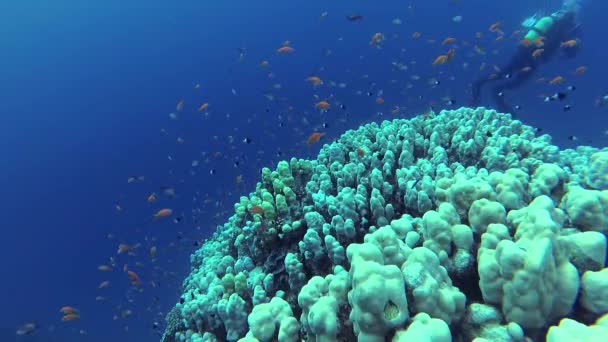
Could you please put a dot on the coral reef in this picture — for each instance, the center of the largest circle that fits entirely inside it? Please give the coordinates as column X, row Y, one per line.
column 462, row 225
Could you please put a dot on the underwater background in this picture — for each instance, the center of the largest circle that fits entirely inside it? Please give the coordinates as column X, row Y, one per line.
column 88, row 87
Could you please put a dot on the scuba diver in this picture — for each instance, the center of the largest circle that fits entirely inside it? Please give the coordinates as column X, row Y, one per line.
column 543, row 40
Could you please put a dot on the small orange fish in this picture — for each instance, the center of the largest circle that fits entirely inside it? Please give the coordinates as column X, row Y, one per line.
column 557, row 80
column 180, row 105
column 379, row 100
column 314, row 137
column 70, row 317
column 539, row 42
column 323, row 105
column 537, row 52
column 285, row 49
column 450, row 54
column 123, row 248
column 125, row 268
column 441, row 59
column 163, row 213
column 104, row 284
column 134, row 278
column 238, row 179
column 377, row 38
column 495, row 27
column 416, row 35
column 68, row 310
column 479, row 50
column 314, row 80
column 569, row 43
column 360, row 152
column 152, row 251
column 104, row 268
column 264, row 64
column 580, row 70
column 203, row 107
column 256, row 209
column 151, row 198
column 448, row 40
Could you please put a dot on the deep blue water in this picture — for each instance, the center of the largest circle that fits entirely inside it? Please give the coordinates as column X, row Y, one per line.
column 86, row 88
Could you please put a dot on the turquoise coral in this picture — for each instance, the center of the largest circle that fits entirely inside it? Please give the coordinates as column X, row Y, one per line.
column 438, row 223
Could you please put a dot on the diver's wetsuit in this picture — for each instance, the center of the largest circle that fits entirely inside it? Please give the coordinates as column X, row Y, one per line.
column 511, row 75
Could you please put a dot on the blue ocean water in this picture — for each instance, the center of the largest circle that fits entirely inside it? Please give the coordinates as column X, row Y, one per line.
column 87, row 89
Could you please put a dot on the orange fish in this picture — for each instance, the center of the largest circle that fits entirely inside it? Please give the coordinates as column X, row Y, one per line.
column 360, row 152
column 377, row 38
column 557, row 80
column 539, row 42
column 104, row 284
column 441, row 59
column 163, row 213
column 180, row 105
column 448, row 40
column 479, row 50
column 416, row 35
column 495, row 27
column 314, row 137
column 323, row 105
column 151, row 198
column 580, row 70
column 104, row 268
column 70, row 317
column 569, row 43
column 379, row 100
column 264, row 63
column 134, row 278
column 314, row 80
column 285, row 49
column 123, row 248
column 152, row 251
column 256, row 209
column 203, row 107
column 125, row 267
column 450, row 54
column 537, row 52
column 66, row 310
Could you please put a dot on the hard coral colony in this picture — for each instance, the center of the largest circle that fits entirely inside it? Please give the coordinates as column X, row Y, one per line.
column 439, row 232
